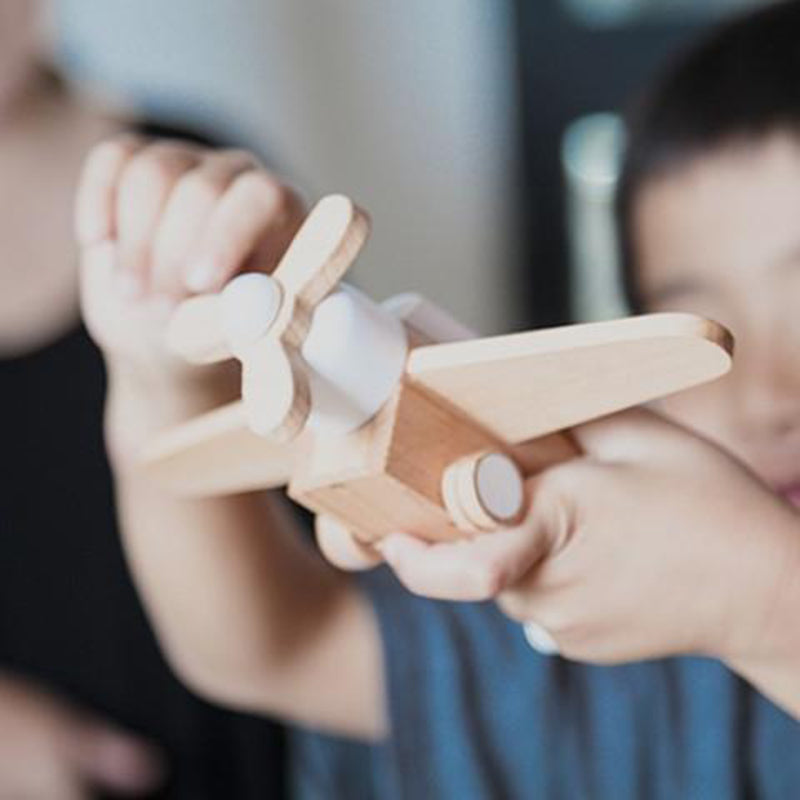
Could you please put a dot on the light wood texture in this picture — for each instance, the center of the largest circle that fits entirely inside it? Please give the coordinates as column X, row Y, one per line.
column 320, row 254
column 275, row 386
column 217, row 453
column 324, row 249
column 537, row 454
column 275, row 389
column 387, row 476
column 524, row 385
column 416, row 465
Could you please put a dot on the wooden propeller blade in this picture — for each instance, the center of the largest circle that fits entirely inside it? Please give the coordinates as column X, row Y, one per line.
column 323, row 249
column 194, row 332
column 525, row 385
column 321, row 252
column 217, row 453
column 275, row 390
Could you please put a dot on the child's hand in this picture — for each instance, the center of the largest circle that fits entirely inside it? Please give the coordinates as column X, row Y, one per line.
column 341, row 548
column 158, row 221
column 655, row 543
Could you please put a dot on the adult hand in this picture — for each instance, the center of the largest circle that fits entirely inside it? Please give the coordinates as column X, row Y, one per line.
column 50, row 750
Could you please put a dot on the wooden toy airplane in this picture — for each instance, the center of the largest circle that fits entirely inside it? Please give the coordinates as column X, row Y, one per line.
column 352, row 406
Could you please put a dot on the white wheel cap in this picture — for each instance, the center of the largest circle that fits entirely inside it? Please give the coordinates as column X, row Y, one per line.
column 499, row 486
column 483, row 491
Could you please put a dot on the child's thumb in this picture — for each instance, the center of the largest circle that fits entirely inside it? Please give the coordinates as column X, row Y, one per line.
column 622, row 436
column 341, row 548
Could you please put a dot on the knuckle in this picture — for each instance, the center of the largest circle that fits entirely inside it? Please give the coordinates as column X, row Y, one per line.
column 108, row 153
column 144, row 169
column 209, row 181
column 260, row 187
column 488, row 580
column 570, row 629
column 157, row 165
column 556, row 481
column 202, row 186
column 100, row 158
column 236, row 158
column 515, row 605
column 553, row 504
column 413, row 579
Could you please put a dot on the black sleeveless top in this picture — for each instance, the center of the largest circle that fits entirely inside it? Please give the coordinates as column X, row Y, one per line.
column 69, row 615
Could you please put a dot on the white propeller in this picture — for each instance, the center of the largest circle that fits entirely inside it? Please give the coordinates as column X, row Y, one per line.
column 263, row 320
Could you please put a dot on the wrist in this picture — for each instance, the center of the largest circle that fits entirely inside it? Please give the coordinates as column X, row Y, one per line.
column 766, row 626
column 142, row 403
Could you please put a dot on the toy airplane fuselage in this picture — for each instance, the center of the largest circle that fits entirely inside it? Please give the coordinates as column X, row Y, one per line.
column 354, row 407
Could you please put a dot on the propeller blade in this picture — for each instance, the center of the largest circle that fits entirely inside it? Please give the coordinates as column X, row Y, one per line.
column 323, row 250
column 275, row 390
column 249, row 305
column 194, row 332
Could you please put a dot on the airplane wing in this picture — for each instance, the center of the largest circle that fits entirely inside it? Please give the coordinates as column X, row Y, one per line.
column 525, row 385
column 216, row 453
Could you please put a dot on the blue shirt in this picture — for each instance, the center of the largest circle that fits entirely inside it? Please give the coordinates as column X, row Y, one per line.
column 476, row 713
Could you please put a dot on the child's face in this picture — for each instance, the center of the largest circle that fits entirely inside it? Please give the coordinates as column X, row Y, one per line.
column 721, row 238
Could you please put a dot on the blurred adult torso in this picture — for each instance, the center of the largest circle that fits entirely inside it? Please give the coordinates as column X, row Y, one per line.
column 69, row 614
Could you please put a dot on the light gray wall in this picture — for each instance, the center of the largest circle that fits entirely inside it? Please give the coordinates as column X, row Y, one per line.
column 405, row 104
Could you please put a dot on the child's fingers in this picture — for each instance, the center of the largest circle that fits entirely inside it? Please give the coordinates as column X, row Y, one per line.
column 521, row 601
column 469, row 569
column 95, row 203
column 144, row 188
column 622, row 436
column 187, row 213
column 181, row 219
column 341, row 548
column 113, row 759
column 255, row 210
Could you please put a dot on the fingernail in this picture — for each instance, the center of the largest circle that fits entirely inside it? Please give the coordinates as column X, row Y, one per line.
column 202, row 275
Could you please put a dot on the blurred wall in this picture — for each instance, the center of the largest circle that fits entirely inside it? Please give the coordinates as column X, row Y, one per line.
column 408, row 105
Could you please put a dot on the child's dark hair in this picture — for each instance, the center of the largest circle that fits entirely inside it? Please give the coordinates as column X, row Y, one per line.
column 742, row 82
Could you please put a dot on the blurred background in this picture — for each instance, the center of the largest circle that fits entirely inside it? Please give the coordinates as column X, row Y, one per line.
column 482, row 135
column 484, row 138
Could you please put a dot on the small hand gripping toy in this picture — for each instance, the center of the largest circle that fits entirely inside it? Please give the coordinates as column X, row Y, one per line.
column 391, row 416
